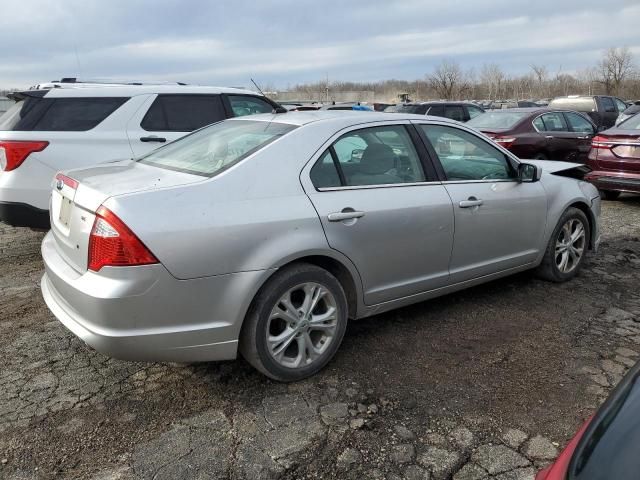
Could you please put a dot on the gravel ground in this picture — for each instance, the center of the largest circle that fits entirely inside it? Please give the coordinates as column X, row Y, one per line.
column 486, row 383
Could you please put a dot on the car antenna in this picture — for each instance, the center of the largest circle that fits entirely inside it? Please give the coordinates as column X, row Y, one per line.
column 278, row 109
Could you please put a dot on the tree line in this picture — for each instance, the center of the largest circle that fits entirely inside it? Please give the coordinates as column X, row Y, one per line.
column 614, row 74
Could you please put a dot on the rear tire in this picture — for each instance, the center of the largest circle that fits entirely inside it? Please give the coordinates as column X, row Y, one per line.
column 567, row 247
column 609, row 194
column 295, row 324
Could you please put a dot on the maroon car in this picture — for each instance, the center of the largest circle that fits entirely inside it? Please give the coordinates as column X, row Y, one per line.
column 615, row 159
column 539, row 133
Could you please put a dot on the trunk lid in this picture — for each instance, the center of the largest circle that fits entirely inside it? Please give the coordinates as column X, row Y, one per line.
column 624, row 151
column 77, row 194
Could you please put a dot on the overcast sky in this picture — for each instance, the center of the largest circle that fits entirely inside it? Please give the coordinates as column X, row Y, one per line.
column 221, row 42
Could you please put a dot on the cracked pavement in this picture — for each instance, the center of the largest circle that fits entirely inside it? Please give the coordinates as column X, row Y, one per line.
column 490, row 382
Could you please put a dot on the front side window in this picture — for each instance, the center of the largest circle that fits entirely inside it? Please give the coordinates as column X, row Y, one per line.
column 212, row 150
column 554, row 122
column 247, row 105
column 620, row 104
column 578, row 123
column 42, row 114
column 474, row 111
column 437, row 111
column 182, row 113
column 370, row 156
column 464, row 156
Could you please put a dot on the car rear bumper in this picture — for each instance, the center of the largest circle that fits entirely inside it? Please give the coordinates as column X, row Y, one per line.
column 23, row 215
column 144, row 313
column 620, row 182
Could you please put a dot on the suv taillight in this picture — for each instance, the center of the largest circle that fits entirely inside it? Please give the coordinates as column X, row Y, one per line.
column 113, row 244
column 17, row 151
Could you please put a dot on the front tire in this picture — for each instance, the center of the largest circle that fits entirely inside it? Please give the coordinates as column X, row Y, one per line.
column 295, row 324
column 567, row 247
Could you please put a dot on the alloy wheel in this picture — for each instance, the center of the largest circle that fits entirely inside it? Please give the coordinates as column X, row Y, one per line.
column 302, row 325
column 570, row 245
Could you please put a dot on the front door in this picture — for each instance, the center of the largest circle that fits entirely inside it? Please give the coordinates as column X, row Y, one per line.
column 379, row 209
column 499, row 222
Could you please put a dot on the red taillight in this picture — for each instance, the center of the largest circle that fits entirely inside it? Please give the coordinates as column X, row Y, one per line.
column 112, row 243
column 506, row 142
column 600, row 141
column 16, row 152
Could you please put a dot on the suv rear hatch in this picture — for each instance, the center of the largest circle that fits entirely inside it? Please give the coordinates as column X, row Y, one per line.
column 77, row 195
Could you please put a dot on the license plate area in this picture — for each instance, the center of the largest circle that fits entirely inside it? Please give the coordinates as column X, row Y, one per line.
column 66, row 205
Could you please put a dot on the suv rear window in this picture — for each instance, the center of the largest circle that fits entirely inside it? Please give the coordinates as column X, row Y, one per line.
column 183, row 113
column 580, row 104
column 36, row 113
column 212, row 150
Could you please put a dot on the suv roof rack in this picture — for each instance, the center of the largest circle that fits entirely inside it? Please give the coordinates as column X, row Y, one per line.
column 73, row 82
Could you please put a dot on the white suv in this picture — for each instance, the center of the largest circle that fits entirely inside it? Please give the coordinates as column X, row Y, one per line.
column 62, row 128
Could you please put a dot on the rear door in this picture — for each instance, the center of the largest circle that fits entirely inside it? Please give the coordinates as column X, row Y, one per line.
column 382, row 207
column 499, row 222
column 583, row 131
column 167, row 117
column 560, row 142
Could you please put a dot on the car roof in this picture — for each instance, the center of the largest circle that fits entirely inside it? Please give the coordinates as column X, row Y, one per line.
column 339, row 117
column 133, row 90
column 441, row 102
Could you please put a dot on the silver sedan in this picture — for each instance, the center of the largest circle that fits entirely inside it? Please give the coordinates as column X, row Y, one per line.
column 265, row 235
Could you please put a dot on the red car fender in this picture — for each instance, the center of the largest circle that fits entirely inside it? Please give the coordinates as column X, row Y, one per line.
column 558, row 469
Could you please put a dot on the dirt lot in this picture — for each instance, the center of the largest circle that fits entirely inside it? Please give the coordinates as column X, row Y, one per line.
column 488, row 382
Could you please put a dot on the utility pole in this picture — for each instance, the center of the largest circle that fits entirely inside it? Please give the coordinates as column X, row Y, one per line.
column 327, row 88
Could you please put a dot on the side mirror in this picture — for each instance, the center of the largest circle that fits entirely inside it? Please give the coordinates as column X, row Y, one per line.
column 528, row 173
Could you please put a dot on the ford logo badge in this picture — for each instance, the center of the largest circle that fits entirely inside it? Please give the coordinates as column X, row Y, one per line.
column 59, row 184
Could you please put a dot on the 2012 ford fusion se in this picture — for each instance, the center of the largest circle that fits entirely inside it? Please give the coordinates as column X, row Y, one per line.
column 265, row 235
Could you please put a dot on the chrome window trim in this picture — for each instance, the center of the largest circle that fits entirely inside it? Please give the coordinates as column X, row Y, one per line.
column 384, row 185
column 488, row 180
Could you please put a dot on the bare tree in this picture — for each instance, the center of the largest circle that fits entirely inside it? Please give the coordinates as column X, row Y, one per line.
column 493, row 77
column 614, row 68
column 540, row 73
column 448, row 80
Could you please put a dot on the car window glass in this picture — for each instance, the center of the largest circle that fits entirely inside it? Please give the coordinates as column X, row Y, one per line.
column 59, row 114
column 378, row 156
column 246, row 105
column 466, row 157
column 437, row 111
column 620, row 104
column 454, row 112
column 578, row 123
column 554, row 122
column 539, row 124
column 608, row 104
column 182, row 113
column 324, row 173
column 474, row 111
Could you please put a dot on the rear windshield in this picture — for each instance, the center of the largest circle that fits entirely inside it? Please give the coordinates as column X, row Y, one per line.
column 217, row 147
column 58, row 114
column 497, row 119
column 581, row 104
column 417, row 109
column 631, row 123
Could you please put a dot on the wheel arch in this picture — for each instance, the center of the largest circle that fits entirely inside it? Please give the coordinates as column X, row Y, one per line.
column 586, row 209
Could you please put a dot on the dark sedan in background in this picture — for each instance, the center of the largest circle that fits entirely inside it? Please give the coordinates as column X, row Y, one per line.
column 539, row 133
column 459, row 111
column 615, row 159
column 606, row 447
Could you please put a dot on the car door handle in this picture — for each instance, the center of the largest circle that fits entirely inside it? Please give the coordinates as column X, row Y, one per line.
column 153, row 138
column 582, row 138
column 344, row 215
column 549, row 137
column 472, row 202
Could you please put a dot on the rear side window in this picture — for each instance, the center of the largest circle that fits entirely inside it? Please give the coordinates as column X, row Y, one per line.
column 183, row 113
column 608, row 104
column 437, row 111
column 242, row 105
column 59, row 114
column 454, row 112
column 212, row 150
column 474, row 111
column 578, row 123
